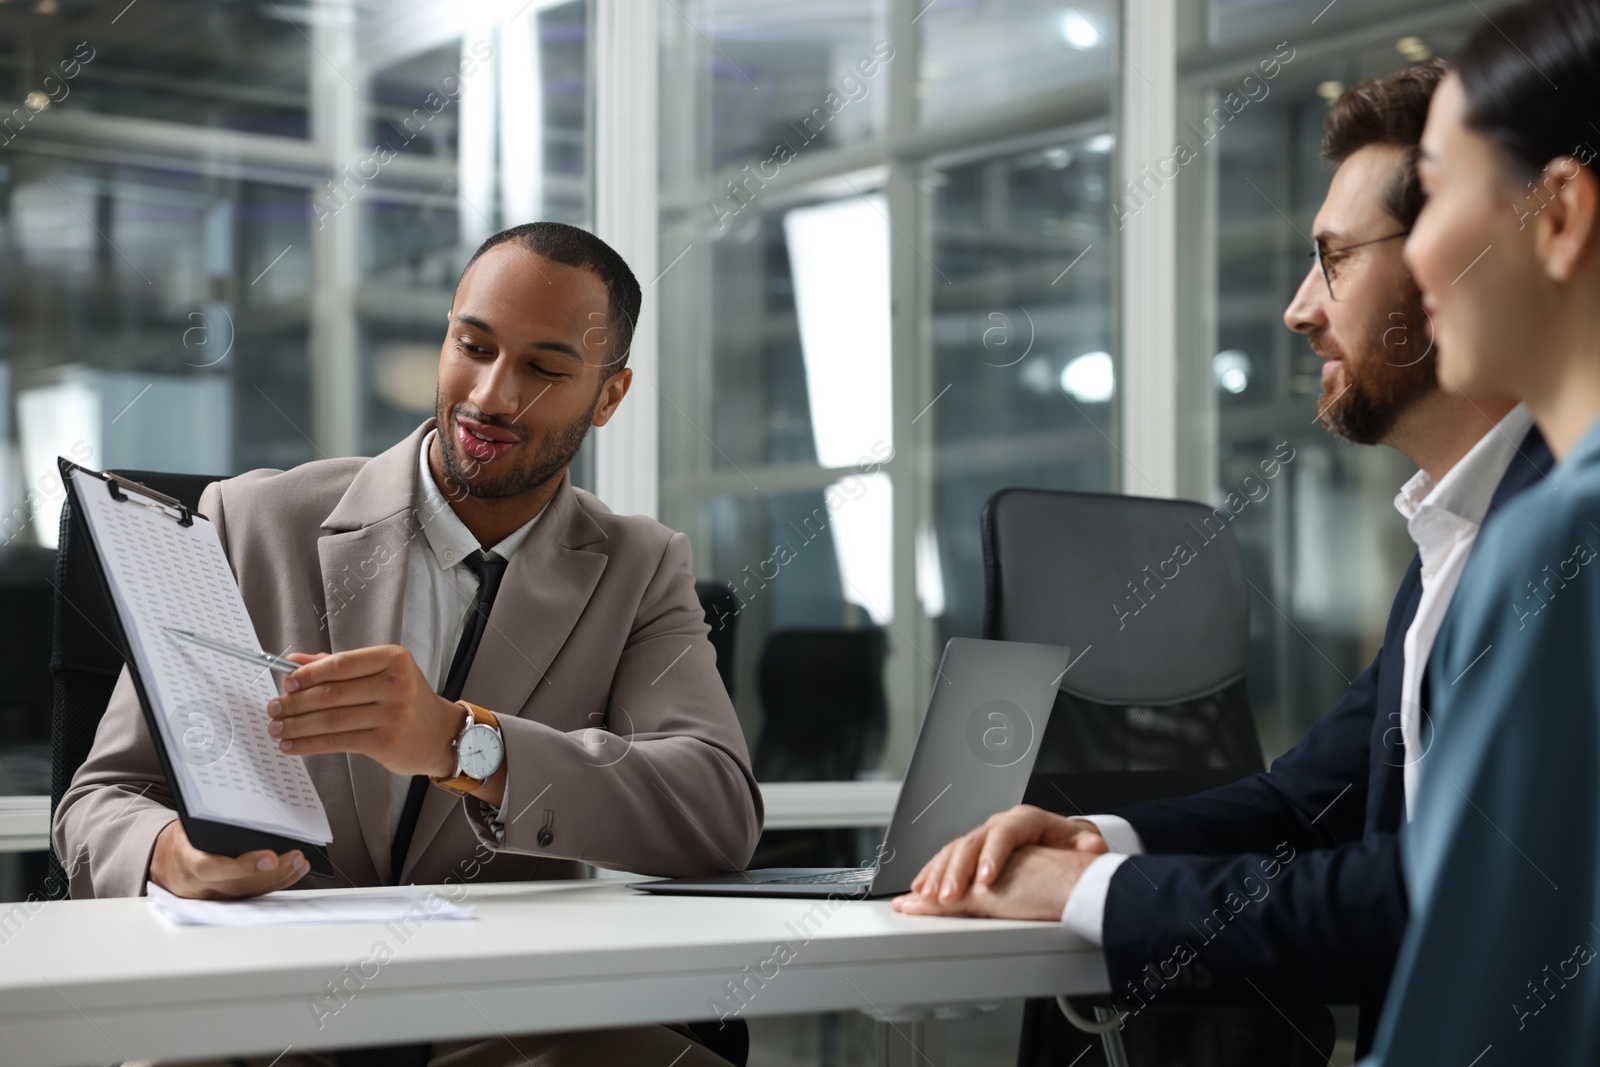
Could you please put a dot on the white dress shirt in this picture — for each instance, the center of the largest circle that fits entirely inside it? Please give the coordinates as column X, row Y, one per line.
column 1443, row 518
column 440, row 592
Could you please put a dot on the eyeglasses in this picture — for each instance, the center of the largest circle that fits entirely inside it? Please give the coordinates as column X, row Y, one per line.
column 1323, row 255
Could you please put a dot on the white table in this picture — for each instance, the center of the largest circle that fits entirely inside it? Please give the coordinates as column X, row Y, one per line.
column 85, row 982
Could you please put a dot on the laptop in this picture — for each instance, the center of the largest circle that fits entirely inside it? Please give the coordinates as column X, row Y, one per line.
column 974, row 753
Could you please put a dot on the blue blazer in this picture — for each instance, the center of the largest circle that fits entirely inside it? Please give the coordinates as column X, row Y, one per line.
column 1286, row 884
column 1499, row 964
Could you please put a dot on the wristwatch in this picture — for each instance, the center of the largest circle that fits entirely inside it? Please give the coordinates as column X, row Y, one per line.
column 480, row 751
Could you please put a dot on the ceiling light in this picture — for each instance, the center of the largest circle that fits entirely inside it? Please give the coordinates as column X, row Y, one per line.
column 1077, row 31
column 839, row 260
column 1330, row 90
column 1100, row 142
column 1090, row 379
column 863, row 541
column 1231, row 370
column 930, row 571
column 1414, row 49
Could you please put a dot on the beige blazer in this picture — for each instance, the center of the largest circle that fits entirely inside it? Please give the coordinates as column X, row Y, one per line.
column 620, row 738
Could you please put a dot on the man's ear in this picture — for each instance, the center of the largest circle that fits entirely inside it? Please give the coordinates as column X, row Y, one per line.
column 611, row 394
column 1569, row 224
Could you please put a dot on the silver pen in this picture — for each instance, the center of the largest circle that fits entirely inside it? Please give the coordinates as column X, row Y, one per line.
column 262, row 659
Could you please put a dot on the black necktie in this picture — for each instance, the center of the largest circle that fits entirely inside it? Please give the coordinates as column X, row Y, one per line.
column 1425, row 723
column 489, row 569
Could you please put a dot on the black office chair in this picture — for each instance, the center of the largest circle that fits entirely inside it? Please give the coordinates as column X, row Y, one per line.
column 722, row 615
column 26, row 572
column 1154, row 705
column 826, row 716
column 823, row 699
column 83, row 663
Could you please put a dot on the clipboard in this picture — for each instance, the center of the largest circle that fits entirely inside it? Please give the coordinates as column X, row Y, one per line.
column 208, row 835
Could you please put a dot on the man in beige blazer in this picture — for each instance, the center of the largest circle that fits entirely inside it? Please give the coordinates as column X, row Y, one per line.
column 618, row 744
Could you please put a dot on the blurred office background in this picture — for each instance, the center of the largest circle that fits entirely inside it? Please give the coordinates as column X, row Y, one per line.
column 230, row 230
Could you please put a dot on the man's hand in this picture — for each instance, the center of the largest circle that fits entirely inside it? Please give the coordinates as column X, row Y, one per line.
column 185, row 871
column 1034, row 885
column 978, row 856
column 374, row 701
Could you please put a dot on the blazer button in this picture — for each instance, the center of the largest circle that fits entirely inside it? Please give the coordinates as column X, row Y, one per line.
column 546, row 835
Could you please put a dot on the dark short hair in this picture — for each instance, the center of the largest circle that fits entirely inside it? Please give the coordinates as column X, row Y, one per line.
column 1386, row 111
column 1532, row 79
column 560, row 243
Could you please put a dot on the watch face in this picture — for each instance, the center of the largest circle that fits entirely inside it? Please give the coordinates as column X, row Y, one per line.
column 480, row 751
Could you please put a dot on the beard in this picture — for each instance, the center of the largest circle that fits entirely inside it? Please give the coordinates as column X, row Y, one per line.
column 1394, row 367
column 474, row 478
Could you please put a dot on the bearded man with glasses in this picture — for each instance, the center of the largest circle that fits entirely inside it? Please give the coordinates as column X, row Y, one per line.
column 1361, row 401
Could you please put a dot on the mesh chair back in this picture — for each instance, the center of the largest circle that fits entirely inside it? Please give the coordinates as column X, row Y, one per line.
column 1150, row 595
column 84, row 664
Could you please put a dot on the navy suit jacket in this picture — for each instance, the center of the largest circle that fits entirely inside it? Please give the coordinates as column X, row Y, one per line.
column 1286, row 884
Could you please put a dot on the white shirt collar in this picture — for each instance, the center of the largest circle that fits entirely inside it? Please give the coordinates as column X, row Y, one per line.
column 447, row 536
column 1438, row 513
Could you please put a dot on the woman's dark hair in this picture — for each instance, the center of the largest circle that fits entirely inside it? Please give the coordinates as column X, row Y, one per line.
column 560, row 243
column 1532, row 79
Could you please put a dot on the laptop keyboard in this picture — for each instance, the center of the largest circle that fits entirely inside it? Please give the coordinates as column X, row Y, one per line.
column 848, row 876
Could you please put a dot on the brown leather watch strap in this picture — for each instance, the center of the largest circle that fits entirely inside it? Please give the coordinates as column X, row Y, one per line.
column 465, row 784
column 479, row 714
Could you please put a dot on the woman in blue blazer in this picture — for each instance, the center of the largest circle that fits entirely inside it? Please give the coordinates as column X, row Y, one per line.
column 1499, row 964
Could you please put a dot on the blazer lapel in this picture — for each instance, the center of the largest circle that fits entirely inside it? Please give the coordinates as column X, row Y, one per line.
column 546, row 588
column 1531, row 463
column 363, row 563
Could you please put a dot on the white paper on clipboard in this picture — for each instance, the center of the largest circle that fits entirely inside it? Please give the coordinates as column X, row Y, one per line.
column 211, row 708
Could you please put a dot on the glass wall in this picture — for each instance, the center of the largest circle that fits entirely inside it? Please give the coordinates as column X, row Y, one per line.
column 231, row 236
column 884, row 297
column 951, row 193
column 1020, row 342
